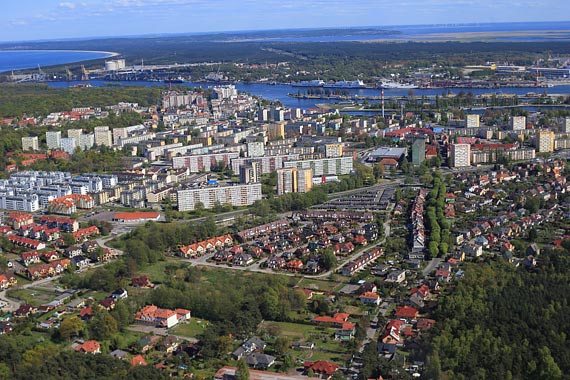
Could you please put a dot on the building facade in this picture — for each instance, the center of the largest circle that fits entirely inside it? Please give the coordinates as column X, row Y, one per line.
column 237, row 195
column 459, row 155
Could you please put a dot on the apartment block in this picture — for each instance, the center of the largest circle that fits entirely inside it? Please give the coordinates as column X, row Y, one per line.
column 237, row 195
column 545, row 141
column 30, row 143
column 68, row 144
column 250, row 172
column 287, row 181
column 255, row 149
column 53, row 139
column 517, row 123
column 268, row 163
column 459, row 155
column 333, row 150
column 419, row 151
column 324, row 166
column 276, row 131
column 103, row 136
column 304, row 180
column 472, row 121
column 204, row 162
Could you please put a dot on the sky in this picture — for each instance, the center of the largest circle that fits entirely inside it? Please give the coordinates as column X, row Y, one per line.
column 51, row 19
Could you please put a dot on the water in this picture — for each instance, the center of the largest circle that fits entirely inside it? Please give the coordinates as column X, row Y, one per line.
column 27, row 59
column 279, row 92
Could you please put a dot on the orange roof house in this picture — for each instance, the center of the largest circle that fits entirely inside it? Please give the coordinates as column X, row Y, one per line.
column 138, row 360
column 321, row 367
column 89, row 347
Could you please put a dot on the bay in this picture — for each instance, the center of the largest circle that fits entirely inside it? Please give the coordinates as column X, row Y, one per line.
column 29, row 59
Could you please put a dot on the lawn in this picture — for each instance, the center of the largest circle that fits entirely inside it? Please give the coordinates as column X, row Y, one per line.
column 192, row 329
column 299, row 331
column 34, row 297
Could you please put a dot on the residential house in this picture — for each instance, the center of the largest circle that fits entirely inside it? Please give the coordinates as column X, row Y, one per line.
column 370, row 298
column 406, row 313
column 259, row 360
column 89, row 347
column 396, row 276
column 141, row 282
column 321, row 368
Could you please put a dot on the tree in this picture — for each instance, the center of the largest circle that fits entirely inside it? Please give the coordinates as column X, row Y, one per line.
column 282, row 344
column 242, row 371
column 71, row 327
column 288, row 363
column 329, row 260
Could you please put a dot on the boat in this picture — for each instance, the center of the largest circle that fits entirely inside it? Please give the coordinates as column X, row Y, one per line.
column 391, row 84
column 346, row 84
column 175, row 80
column 309, row 83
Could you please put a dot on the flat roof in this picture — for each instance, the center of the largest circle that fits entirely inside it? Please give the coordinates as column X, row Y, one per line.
column 388, row 152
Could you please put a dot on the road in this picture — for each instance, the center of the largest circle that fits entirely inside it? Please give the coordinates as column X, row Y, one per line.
column 431, row 266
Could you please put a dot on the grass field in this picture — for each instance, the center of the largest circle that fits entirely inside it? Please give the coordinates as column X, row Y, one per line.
column 192, row 329
column 34, row 297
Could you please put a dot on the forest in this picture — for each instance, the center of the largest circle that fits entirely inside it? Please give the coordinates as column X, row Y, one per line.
column 505, row 322
column 41, row 99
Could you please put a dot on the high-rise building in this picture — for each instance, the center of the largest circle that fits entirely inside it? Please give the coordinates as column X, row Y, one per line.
column 419, row 151
column 545, row 141
column 86, row 141
column 517, row 123
column 278, row 114
column 333, row 150
column 287, row 181
column 566, row 125
column 472, row 121
column 276, row 131
column 75, row 134
column 459, row 155
column 118, row 134
column 263, row 114
column 255, row 149
column 103, row 136
column 53, row 139
column 68, row 144
column 304, row 180
column 30, row 143
column 250, row 172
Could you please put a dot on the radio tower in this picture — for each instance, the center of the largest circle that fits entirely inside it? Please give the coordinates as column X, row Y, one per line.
column 382, row 103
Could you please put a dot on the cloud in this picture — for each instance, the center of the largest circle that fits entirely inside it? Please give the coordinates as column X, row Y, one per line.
column 67, row 4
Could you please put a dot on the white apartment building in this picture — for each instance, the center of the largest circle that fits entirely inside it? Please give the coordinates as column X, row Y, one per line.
column 30, row 143
column 255, row 149
column 53, row 139
column 517, row 123
column 103, row 136
column 68, row 144
column 459, row 155
column 203, row 162
column 237, row 195
column 324, row 166
column 472, row 121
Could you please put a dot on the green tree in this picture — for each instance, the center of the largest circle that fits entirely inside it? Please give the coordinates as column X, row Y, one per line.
column 71, row 327
column 242, row 370
column 329, row 260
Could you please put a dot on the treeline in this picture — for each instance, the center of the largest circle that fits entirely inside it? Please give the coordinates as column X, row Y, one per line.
column 41, row 99
column 438, row 225
column 502, row 322
column 24, row 361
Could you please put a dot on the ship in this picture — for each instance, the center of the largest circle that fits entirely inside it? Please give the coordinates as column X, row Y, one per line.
column 391, row 84
column 346, row 84
column 309, row 83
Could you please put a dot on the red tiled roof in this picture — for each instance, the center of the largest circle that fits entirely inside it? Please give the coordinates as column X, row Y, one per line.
column 136, row 215
column 406, row 312
column 138, row 360
column 322, row 366
column 89, row 346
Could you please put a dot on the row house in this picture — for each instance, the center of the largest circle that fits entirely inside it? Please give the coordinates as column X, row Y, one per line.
column 26, row 242
column 19, row 219
column 263, row 230
column 198, row 249
column 28, row 258
column 357, row 264
column 84, row 233
column 47, row 270
column 63, row 223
